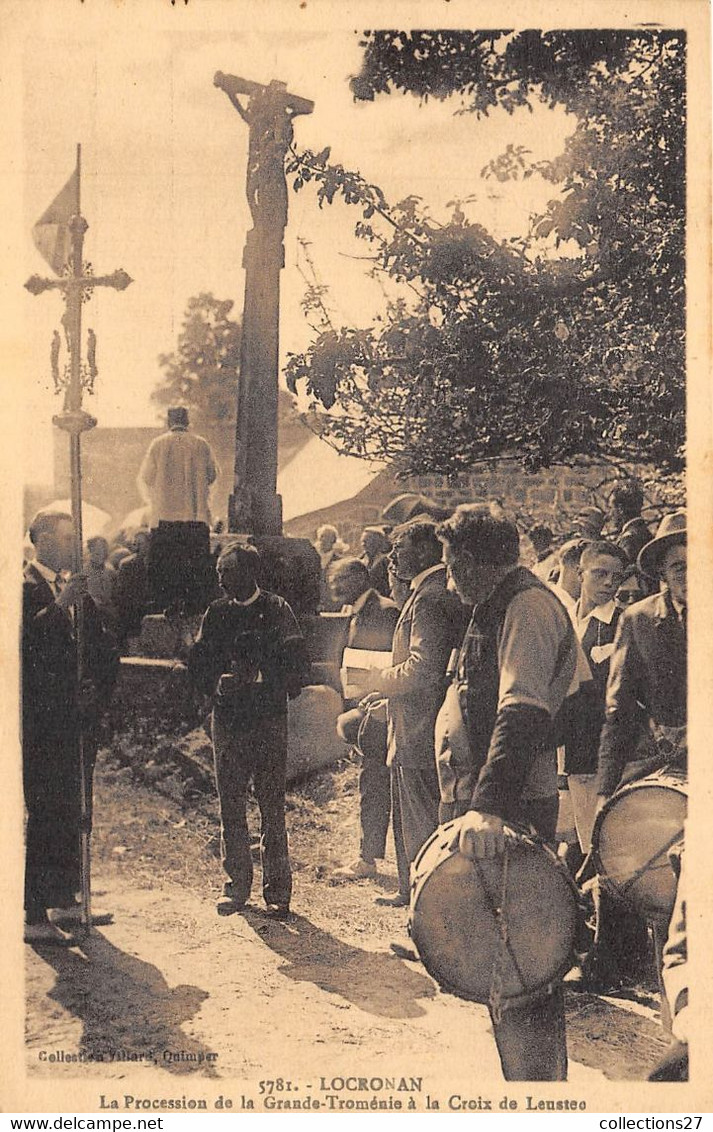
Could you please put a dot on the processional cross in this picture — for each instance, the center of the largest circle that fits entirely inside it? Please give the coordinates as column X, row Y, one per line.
column 76, row 284
column 254, row 505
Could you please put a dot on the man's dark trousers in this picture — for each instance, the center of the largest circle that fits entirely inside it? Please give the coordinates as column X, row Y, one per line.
column 374, row 794
column 51, row 782
column 255, row 748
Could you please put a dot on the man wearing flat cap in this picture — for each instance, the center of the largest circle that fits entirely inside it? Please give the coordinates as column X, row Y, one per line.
column 625, row 504
column 646, row 690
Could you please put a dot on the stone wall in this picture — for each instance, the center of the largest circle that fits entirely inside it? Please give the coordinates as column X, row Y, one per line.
column 552, row 496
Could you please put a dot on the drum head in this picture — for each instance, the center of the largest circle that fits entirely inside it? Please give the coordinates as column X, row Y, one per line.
column 636, row 829
column 455, row 922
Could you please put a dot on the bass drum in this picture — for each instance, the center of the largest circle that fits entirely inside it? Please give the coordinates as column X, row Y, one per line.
column 632, row 837
column 460, row 908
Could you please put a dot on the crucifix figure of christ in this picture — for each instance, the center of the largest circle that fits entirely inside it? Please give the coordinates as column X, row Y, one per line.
column 268, row 111
column 76, row 282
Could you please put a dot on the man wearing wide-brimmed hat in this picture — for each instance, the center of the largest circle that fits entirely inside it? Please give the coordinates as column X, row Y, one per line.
column 646, row 691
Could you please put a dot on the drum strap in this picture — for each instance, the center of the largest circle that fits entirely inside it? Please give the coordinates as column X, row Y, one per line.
column 621, row 890
column 496, row 984
column 499, row 914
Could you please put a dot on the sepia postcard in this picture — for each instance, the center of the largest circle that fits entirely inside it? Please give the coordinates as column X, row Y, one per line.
column 384, row 259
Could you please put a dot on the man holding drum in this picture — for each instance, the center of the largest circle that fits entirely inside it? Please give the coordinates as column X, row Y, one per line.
column 496, row 739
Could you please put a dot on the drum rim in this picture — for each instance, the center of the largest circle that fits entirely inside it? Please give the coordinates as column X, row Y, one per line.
column 623, row 792
column 532, row 841
column 677, row 784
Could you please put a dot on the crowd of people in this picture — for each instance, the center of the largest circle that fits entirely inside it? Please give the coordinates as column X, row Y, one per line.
column 476, row 691
column 576, row 665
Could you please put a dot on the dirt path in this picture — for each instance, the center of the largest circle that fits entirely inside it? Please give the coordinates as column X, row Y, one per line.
column 171, row 990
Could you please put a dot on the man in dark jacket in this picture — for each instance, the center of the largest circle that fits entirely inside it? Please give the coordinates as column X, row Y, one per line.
column 646, row 698
column 131, row 588
column 371, row 628
column 497, row 761
column 376, row 547
column 55, row 711
column 249, row 657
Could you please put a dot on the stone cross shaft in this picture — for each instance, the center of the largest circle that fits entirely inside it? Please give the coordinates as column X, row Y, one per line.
column 255, row 507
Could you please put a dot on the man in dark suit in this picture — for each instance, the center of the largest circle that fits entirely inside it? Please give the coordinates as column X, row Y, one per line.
column 430, row 627
column 647, row 686
column 371, row 627
column 55, row 710
column 131, row 588
column 646, row 702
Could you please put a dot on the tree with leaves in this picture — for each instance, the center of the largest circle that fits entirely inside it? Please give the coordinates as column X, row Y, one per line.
column 202, row 372
column 515, row 347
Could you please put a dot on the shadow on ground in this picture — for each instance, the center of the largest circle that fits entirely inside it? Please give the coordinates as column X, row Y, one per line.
column 128, row 1010
column 621, row 1044
column 377, row 983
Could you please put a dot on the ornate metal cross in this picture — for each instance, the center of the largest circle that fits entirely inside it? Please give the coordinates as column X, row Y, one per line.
column 76, row 286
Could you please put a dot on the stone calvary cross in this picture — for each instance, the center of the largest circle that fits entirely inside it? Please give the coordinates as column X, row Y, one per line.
column 254, row 506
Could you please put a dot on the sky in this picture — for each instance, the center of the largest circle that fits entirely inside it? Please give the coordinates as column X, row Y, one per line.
column 163, row 175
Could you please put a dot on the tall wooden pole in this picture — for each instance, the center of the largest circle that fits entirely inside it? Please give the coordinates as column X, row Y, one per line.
column 78, row 226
